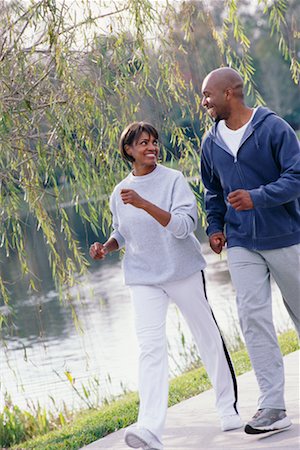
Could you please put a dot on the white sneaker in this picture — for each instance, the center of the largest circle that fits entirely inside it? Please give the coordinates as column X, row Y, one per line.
column 136, row 437
column 231, row 422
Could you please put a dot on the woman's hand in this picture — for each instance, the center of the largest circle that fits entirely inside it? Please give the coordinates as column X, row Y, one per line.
column 132, row 198
column 98, row 251
column 129, row 196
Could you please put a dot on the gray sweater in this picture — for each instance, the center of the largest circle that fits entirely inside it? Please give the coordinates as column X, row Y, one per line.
column 155, row 254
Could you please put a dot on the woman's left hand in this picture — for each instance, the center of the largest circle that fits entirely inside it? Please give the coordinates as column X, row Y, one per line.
column 132, row 197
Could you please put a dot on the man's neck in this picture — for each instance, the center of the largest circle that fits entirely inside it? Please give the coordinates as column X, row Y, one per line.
column 239, row 117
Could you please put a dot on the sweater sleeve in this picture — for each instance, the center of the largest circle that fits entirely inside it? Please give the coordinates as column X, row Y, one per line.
column 214, row 199
column 286, row 188
column 115, row 233
column 183, row 209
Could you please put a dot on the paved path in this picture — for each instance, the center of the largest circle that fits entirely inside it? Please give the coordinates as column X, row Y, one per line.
column 193, row 424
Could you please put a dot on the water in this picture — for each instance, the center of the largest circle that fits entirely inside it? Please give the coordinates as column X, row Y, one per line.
column 45, row 342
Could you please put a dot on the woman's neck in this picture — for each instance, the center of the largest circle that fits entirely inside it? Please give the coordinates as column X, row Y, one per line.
column 139, row 171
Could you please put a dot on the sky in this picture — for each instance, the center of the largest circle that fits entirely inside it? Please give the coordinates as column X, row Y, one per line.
column 77, row 11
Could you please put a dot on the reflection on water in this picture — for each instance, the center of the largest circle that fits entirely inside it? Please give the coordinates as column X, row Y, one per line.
column 45, row 343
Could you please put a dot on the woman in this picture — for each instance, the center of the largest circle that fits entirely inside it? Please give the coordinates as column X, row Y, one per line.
column 154, row 217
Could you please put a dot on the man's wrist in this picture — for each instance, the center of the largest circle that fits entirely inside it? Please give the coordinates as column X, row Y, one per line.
column 215, row 233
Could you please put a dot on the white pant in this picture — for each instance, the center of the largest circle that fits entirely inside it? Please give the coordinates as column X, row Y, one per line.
column 250, row 273
column 150, row 308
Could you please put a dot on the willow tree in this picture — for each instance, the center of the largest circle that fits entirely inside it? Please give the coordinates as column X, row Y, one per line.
column 69, row 84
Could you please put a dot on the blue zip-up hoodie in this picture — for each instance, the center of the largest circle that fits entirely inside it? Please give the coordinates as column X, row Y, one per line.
column 268, row 167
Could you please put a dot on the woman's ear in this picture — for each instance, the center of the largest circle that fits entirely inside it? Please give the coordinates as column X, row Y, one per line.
column 127, row 149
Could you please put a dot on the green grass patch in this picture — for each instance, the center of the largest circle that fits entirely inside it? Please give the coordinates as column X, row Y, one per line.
column 91, row 425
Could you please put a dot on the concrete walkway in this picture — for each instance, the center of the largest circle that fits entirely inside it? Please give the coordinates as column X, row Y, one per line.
column 193, row 424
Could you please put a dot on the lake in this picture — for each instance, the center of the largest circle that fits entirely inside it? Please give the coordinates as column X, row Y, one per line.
column 100, row 350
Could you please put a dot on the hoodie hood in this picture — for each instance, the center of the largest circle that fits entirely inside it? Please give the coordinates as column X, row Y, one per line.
column 260, row 115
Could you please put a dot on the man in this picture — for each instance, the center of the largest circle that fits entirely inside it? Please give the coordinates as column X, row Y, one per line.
column 251, row 169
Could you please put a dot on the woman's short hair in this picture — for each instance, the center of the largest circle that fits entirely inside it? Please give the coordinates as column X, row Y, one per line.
column 132, row 133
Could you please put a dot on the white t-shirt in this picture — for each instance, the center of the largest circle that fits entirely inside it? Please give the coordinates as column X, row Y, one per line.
column 232, row 138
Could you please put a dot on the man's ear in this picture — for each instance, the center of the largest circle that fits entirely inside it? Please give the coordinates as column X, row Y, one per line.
column 228, row 93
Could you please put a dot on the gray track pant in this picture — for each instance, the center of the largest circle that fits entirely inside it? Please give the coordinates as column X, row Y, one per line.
column 250, row 273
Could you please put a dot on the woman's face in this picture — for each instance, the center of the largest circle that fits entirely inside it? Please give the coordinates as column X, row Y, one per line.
column 145, row 150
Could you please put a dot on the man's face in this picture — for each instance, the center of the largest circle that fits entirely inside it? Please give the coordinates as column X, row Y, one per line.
column 215, row 99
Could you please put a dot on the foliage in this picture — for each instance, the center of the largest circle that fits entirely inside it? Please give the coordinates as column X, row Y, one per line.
column 279, row 90
column 91, row 425
column 68, row 87
column 17, row 425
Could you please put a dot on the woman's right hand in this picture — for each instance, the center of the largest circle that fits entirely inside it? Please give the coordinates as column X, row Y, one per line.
column 98, row 251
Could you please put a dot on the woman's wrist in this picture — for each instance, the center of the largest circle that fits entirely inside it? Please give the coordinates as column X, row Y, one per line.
column 145, row 205
column 110, row 246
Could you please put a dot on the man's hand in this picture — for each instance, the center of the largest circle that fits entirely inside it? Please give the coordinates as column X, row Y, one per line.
column 132, row 197
column 240, row 200
column 217, row 242
column 98, row 251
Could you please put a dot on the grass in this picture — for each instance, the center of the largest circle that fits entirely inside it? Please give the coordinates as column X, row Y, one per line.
column 91, row 425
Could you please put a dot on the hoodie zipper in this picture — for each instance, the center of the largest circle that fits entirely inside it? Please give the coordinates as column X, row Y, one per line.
column 253, row 227
column 241, row 176
column 240, row 173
